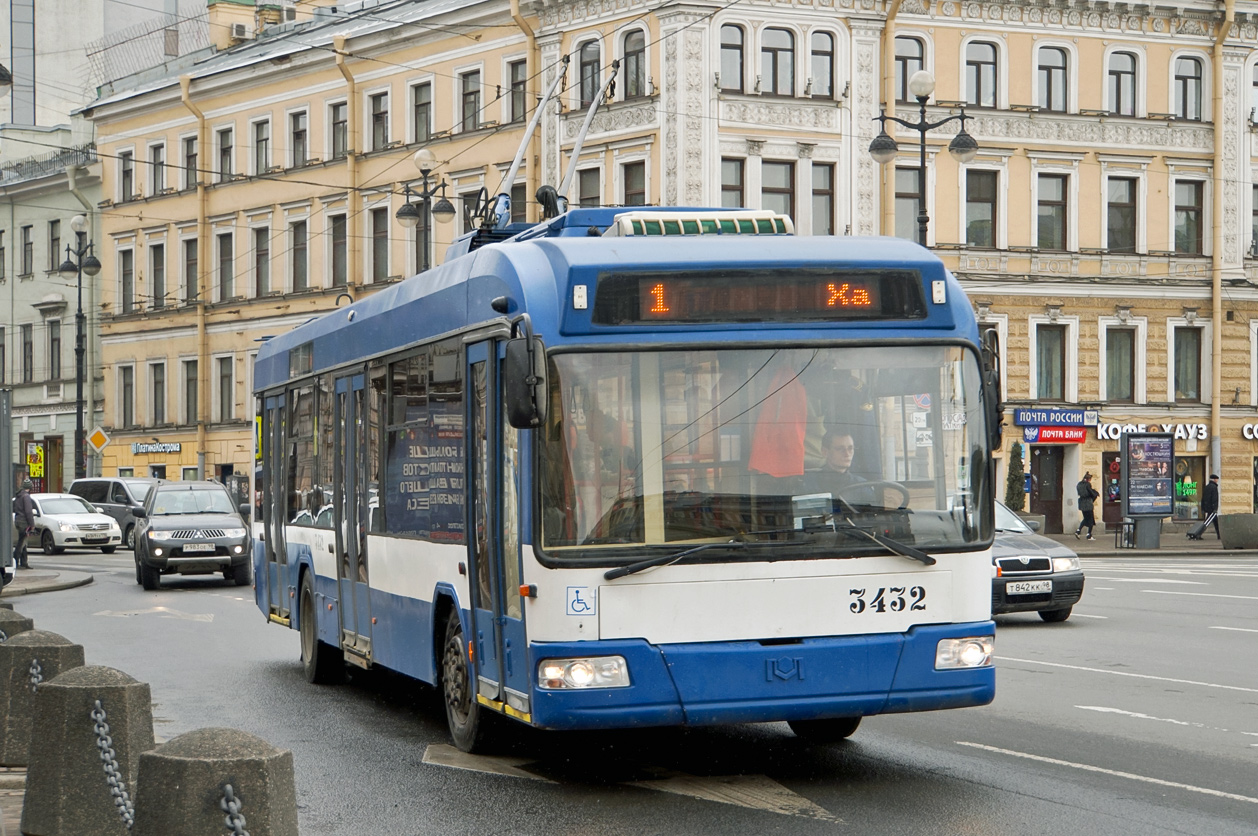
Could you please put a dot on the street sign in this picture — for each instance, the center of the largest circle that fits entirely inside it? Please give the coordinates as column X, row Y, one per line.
column 97, row 439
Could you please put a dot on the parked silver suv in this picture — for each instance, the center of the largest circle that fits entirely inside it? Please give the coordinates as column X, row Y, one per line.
column 116, row 496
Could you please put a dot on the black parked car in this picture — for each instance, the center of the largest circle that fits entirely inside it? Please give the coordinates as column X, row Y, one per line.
column 1031, row 573
column 191, row 528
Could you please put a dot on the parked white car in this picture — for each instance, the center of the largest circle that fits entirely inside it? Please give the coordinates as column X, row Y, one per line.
column 63, row 520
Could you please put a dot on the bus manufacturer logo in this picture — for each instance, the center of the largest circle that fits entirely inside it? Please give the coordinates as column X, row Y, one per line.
column 784, row 668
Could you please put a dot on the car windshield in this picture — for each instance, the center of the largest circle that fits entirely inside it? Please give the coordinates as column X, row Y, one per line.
column 66, row 505
column 1007, row 520
column 139, row 489
column 184, row 501
column 666, row 448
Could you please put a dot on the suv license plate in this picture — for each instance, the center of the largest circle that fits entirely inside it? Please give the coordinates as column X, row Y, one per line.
column 1028, row 587
column 198, row 547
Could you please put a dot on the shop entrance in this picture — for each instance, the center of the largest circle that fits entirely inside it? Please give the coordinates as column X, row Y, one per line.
column 1046, row 475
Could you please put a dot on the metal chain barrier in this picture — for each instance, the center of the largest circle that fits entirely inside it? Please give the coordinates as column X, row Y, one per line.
column 109, row 760
column 4, row 637
column 231, row 805
column 37, row 676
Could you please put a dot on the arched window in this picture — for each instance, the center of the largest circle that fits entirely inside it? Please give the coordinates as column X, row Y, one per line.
column 635, row 64
column 1122, row 84
column 777, row 63
column 1052, row 79
column 589, row 68
column 732, row 59
column 980, row 74
column 822, row 65
column 1188, row 89
column 910, row 56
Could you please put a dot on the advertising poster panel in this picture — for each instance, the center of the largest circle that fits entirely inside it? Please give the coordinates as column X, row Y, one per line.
column 1148, row 466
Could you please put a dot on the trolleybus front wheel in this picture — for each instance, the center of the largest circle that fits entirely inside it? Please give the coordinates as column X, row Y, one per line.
column 825, row 731
column 469, row 722
column 319, row 659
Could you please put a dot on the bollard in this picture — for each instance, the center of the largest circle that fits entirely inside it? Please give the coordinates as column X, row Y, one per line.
column 5, row 605
column 12, row 623
column 216, row 781
column 91, row 725
column 27, row 662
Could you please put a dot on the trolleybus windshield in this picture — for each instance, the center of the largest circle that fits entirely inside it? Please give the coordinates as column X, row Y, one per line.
column 670, row 448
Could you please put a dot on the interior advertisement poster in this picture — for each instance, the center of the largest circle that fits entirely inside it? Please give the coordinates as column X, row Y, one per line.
column 1148, row 467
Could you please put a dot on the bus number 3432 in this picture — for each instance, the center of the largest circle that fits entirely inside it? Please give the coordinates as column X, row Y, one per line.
column 888, row 598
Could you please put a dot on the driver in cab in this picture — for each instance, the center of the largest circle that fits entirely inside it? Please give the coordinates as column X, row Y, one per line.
column 835, row 476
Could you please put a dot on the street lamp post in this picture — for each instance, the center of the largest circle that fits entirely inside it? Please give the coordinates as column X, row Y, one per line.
column 884, row 149
column 408, row 214
column 84, row 262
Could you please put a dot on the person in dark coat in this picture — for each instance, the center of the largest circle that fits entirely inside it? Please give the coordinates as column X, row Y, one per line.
column 1087, row 497
column 1210, row 503
column 23, row 521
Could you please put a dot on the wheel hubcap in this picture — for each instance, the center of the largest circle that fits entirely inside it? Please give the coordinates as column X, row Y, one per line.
column 455, row 679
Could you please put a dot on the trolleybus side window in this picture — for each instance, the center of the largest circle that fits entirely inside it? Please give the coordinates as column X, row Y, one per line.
column 301, row 455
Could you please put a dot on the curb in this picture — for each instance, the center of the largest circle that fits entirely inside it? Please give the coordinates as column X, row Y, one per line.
column 72, row 580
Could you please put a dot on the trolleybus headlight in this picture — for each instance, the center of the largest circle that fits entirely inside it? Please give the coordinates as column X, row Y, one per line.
column 972, row 652
column 1065, row 564
column 597, row 672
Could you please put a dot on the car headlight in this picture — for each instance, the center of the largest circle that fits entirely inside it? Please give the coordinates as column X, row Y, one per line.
column 970, row 652
column 1065, row 564
column 160, row 535
column 597, row 672
column 65, row 526
column 234, row 532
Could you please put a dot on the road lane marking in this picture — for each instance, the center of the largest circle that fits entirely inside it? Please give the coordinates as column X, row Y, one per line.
column 1148, row 580
column 1128, row 674
column 443, row 754
column 755, row 792
column 1128, row 775
column 1136, row 715
column 1236, row 629
column 164, row 612
column 1201, row 594
column 1081, row 615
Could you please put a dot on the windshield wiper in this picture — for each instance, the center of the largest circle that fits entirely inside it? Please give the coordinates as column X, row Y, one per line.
column 664, row 559
column 902, row 549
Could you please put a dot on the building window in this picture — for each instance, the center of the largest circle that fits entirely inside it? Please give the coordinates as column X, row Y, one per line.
column 261, row 147
column 822, row 199
column 297, row 250
column 3, row 256
column 297, row 142
column 157, row 274
column 126, row 279
column 517, row 72
column 980, row 208
column 157, row 169
column 777, row 63
column 635, row 183
column 190, row 174
column 126, row 176
column 421, row 111
column 1052, row 79
column 635, row 64
column 226, row 267
column 1188, row 364
column 469, row 100
column 777, row 187
column 910, row 56
column 1051, row 228
column 338, row 119
column 191, row 281
column 340, row 275
column 980, row 74
column 190, row 390
column 732, row 194
column 589, row 70
column 908, row 202
column 261, row 262
column 732, row 59
column 126, row 395
column 54, row 349
column 1253, row 224
column 822, row 65
column 54, row 244
column 157, row 375
column 3, row 358
column 224, row 154
column 28, row 250
column 1121, row 214
column 28, row 352
column 1122, row 84
column 379, row 245
column 226, row 391
column 1188, row 89
column 590, row 187
column 1189, row 204
column 1050, row 362
column 379, row 121
column 519, row 203
column 1120, row 364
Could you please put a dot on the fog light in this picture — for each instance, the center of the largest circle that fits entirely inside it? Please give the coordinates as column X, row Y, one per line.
column 239, row 549
column 157, row 552
column 597, row 672
column 972, row 652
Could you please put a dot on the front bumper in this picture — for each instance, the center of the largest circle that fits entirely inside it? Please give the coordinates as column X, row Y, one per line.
column 169, row 556
column 1067, row 590
column 86, row 539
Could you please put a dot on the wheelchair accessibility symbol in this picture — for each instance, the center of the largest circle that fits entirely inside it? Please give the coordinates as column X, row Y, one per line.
column 582, row 600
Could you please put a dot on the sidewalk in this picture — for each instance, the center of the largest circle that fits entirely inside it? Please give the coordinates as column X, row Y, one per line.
column 1173, row 541
column 32, row 580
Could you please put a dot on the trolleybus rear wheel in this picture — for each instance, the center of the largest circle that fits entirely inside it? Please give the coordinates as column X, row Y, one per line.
column 825, row 731
column 319, row 659
column 468, row 721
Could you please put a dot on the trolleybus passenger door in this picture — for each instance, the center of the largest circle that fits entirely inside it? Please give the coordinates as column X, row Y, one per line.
column 349, row 516
column 275, row 507
column 493, row 542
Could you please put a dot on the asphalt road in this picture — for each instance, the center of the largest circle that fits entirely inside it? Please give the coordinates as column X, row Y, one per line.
column 1137, row 716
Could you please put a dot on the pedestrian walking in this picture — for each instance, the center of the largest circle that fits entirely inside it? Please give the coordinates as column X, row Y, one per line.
column 1210, row 504
column 1087, row 497
column 23, row 521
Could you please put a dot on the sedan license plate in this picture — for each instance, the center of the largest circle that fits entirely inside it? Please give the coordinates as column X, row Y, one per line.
column 1028, row 587
column 198, row 547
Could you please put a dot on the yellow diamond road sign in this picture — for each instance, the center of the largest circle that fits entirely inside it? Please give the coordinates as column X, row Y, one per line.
column 97, row 439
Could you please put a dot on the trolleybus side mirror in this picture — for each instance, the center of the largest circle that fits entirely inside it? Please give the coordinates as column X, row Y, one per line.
column 525, row 384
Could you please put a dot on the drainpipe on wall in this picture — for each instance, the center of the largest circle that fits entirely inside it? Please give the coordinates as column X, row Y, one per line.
column 887, row 227
column 1219, row 254
column 89, row 362
column 353, row 198
column 535, row 59
column 203, row 253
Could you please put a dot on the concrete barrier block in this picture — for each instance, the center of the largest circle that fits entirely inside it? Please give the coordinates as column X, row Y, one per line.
column 182, row 787
column 27, row 662
column 1238, row 531
column 12, row 623
column 91, row 724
